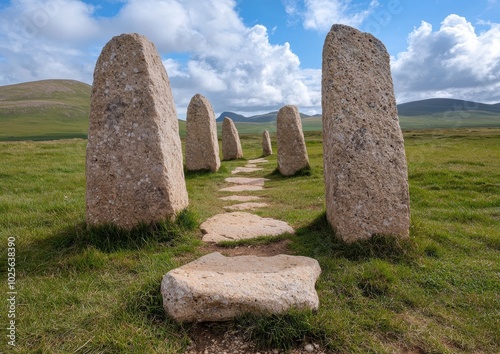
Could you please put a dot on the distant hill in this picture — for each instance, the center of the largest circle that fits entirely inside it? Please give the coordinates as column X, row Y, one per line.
column 444, row 105
column 261, row 118
column 59, row 109
column 440, row 113
column 44, row 110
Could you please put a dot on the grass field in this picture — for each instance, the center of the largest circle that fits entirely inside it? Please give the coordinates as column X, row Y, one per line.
column 81, row 292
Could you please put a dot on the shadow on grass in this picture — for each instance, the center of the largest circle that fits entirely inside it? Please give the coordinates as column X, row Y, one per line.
column 78, row 239
column 276, row 174
column 319, row 240
column 194, row 174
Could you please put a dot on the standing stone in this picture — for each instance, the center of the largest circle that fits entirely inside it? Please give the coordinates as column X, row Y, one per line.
column 292, row 152
column 134, row 157
column 366, row 176
column 267, row 149
column 231, row 146
column 202, row 146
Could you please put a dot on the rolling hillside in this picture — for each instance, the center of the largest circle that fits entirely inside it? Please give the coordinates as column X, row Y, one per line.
column 44, row 110
column 59, row 109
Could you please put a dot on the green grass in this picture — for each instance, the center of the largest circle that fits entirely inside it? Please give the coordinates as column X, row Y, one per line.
column 97, row 291
column 44, row 110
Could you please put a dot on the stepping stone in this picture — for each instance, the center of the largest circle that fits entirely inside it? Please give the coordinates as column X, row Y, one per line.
column 259, row 160
column 242, row 188
column 218, row 288
column 245, row 170
column 240, row 225
column 247, row 181
column 241, row 198
column 246, row 206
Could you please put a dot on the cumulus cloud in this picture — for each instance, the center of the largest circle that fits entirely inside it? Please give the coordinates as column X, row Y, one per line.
column 454, row 61
column 235, row 66
column 320, row 15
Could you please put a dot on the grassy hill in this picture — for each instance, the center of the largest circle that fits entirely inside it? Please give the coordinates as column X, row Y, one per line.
column 44, row 110
column 59, row 109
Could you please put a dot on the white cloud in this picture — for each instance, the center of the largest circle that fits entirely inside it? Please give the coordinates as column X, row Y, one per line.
column 320, row 15
column 236, row 67
column 453, row 61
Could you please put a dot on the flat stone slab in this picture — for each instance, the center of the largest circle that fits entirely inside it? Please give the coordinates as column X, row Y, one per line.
column 247, row 181
column 218, row 288
column 241, row 198
column 241, row 188
column 259, row 160
column 239, row 225
column 245, row 170
column 246, row 206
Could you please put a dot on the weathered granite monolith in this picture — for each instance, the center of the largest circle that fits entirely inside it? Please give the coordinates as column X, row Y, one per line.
column 202, row 146
column 231, row 146
column 365, row 169
column 267, row 148
column 134, row 158
column 292, row 152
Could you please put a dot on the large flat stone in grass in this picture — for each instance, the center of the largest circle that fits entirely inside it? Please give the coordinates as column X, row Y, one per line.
column 218, row 288
column 259, row 160
column 242, row 188
column 245, row 170
column 241, row 198
column 247, row 180
column 245, row 206
column 239, row 225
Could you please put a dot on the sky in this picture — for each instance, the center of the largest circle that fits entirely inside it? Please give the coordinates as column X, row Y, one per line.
column 254, row 56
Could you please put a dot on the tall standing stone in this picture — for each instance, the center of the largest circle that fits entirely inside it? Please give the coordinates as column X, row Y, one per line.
column 366, row 176
column 134, row 157
column 202, row 146
column 267, row 148
column 231, row 145
column 292, row 152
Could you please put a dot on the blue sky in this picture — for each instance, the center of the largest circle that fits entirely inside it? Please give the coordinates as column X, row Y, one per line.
column 254, row 56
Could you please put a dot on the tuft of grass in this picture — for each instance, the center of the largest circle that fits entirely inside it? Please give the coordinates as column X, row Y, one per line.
column 280, row 331
column 318, row 239
column 110, row 238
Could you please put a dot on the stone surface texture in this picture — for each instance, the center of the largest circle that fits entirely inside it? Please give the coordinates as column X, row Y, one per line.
column 134, row 167
column 267, row 148
column 218, row 288
column 245, row 206
column 292, row 152
column 241, row 225
column 202, row 145
column 256, row 181
column 231, row 145
column 365, row 169
column 242, row 188
column 245, row 170
column 241, row 198
column 257, row 161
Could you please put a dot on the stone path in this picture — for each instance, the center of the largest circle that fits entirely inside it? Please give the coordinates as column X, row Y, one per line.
column 221, row 293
